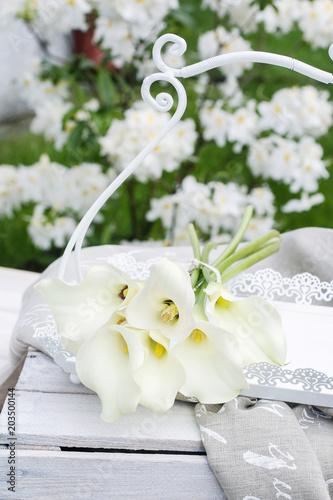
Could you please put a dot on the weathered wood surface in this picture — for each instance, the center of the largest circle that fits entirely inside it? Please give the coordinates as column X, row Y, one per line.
column 73, row 420
column 53, row 411
column 111, row 476
column 42, row 374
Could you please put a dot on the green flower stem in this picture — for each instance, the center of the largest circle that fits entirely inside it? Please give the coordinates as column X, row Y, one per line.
column 196, row 252
column 194, row 277
column 194, row 241
column 199, row 306
column 248, row 249
column 205, row 258
column 238, row 236
column 267, row 250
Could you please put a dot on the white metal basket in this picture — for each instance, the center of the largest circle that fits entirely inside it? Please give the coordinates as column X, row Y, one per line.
column 309, row 376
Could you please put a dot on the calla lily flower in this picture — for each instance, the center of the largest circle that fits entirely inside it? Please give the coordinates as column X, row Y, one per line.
column 161, row 375
column 106, row 363
column 165, row 303
column 79, row 310
column 213, row 364
column 256, row 324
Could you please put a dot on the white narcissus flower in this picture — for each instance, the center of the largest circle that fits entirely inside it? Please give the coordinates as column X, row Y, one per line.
column 162, row 375
column 165, row 303
column 106, row 364
column 254, row 322
column 213, row 364
column 79, row 310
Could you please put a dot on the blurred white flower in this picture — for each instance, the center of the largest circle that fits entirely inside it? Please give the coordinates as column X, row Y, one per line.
column 62, row 16
column 297, row 111
column 194, row 204
column 243, row 125
column 81, row 187
column 239, row 127
column 35, row 91
column 49, row 121
column 298, row 164
column 10, row 190
column 315, row 21
column 262, row 200
column 229, row 200
column 281, row 16
column 201, row 84
column 17, row 9
column 134, row 11
column 258, row 227
column 242, row 13
column 232, row 92
column 215, row 122
column 123, row 26
column 220, row 41
column 162, row 208
column 312, row 167
column 56, row 191
column 44, row 232
column 214, row 208
column 274, row 157
column 259, row 155
column 49, row 18
column 115, row 34
column 284, row 160
column 304, row 203
column 40, row 181
column 126, row 138
column 92, row 105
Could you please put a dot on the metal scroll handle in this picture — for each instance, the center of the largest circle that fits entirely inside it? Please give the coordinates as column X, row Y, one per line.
column 164, row 102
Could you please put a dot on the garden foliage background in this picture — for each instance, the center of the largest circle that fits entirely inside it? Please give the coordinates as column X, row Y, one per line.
column 251, row 133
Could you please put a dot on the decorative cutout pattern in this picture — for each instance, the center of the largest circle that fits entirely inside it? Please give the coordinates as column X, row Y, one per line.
column 270, row 285
column 269, row 375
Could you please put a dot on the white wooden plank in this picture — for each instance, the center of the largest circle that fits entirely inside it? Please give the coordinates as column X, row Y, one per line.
column 106, row 476
column 73, row 420
column 41, row 374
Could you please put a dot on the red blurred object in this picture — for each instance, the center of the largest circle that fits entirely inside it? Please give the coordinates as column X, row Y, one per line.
column 83, row 44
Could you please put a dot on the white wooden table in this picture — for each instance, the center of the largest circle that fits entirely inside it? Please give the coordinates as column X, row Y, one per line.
column 63, row 450
column 12, row 285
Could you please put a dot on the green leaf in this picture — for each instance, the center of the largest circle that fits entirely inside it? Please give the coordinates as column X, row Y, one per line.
column 76, row 136
column 105, row 87
column 183, row 18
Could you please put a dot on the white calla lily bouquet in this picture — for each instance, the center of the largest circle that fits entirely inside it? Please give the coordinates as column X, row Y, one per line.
column 179, row 332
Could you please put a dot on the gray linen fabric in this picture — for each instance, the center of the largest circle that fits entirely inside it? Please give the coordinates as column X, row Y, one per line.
column 259, row 450
column 262, row 450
